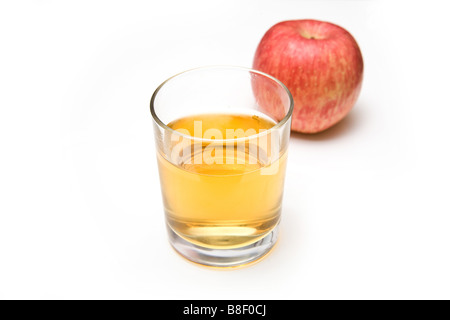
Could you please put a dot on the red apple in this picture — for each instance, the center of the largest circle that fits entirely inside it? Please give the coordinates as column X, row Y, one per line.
column 322, row 66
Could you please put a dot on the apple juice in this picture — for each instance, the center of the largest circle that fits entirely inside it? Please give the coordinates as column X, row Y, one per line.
column 229, row 202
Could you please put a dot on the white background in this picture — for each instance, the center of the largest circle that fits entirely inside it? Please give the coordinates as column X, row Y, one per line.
column 366, row 208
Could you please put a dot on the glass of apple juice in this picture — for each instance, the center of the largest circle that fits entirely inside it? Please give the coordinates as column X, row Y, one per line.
column 222, row 135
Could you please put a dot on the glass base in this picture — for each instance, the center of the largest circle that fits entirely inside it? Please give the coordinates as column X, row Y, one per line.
column 223, row 257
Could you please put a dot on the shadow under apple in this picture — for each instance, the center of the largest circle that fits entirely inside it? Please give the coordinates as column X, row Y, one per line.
column 346, row 126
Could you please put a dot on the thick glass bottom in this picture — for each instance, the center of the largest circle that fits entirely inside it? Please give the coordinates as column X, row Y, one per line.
column 223, row 257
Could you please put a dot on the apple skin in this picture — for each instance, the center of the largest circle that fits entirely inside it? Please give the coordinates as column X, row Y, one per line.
column 321, row 65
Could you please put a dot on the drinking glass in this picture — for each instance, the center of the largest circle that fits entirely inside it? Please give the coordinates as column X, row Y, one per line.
column 222, row 136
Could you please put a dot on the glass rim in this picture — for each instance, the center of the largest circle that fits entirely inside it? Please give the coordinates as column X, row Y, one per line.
column 279, row 124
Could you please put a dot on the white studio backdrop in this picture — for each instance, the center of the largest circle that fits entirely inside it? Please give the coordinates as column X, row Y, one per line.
column 366, row 208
